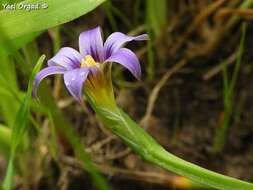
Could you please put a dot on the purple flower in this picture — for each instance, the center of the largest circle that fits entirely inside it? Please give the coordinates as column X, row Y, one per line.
column 76, row 66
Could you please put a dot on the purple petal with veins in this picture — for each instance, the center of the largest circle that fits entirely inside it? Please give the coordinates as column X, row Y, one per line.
column 66, row 57
column 117, row 39
column 128, row 59
column 76, row 70
column 44, row 73
column 91, row 43
column 74, row 80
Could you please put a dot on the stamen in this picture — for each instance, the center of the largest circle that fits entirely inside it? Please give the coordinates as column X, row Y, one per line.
column 88, row 61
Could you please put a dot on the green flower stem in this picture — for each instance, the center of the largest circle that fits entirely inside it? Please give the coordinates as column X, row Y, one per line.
column 142, row 143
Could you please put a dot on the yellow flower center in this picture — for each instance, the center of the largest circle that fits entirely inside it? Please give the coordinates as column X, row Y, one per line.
column 88, row 61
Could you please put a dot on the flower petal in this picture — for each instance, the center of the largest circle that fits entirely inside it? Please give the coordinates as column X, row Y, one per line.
column 117, row 39
column 66, row 57
column 74, row 80
column 91, row 43
column 128, row 59
column 44, row 73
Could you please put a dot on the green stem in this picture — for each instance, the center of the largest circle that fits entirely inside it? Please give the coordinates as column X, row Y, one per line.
column 142, row 143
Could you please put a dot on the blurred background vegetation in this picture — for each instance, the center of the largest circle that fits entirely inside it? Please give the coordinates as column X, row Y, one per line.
column 195, row 96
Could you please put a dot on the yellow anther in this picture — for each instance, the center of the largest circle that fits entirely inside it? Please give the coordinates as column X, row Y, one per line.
column 88, row 61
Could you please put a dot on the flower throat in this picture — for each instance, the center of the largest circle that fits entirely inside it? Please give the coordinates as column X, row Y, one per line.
column 88, row 61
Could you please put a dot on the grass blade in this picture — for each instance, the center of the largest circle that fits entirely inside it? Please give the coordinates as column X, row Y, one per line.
column 156, row 20
column 7, row 184
column 228, row 98
column 20, row 126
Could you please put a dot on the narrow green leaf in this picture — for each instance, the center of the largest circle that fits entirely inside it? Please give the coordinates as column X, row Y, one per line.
column 228, row 100
column 7, row 184
column 156, row 13
column 20, row 125
column 238, row 60
column 55, row 12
